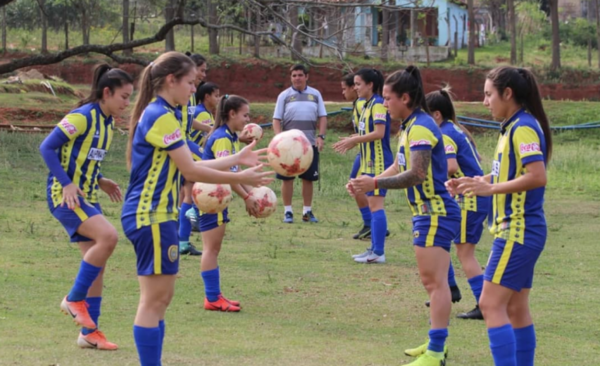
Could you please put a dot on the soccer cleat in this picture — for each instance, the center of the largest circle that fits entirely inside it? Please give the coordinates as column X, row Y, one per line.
column 456, row 295
column 427, row 360
column 78, row 310
column 387, row 233
column 220, row 305
column 473, row 314
column 288, row 218
column 309, row 217
column 371, row 258
column 416, row 352
column 363, row 233
column 232, row 302
column 190, row 249
column 366, row 253
column 96, row 340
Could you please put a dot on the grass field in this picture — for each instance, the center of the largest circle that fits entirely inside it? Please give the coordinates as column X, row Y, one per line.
column 304, row 301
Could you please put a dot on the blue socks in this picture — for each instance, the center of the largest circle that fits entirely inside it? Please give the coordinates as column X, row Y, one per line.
column 212, row 286
column 86, row 276
column 502, row 344
column 94, row 310
column 451, row 279
column 161, row 326
column 366, row 215
column 185, row 226
column 378, row 230
column 437, row 339
column 476, row 284
column 148, row 344
column 525, row 338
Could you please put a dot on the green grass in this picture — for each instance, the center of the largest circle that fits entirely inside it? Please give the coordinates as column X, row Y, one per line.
column 305, row 302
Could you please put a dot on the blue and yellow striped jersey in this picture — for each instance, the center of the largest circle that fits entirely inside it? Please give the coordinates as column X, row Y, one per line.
column 202, row 115
column 153, row 192
column 187, row 116
column 221, row 143
column 518, row 216
column 357, row 109
column 459, row 147
column 375, row 156
column 90, row 133
column 419, row 132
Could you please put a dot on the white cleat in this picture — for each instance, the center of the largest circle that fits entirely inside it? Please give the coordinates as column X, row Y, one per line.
column 371, row 258
column 366, row 253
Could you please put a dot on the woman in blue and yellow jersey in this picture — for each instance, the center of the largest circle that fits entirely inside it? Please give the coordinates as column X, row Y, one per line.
column 516, row 184
column 233, row 113
column 157, row 154
column 373, row 138
column 463, row 161
column 208, row 96
column 82, row 140
column 421, row 169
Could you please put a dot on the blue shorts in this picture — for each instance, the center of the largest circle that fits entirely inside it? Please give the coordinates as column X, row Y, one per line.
column 156, row 248
column 71, row 220
column 434, row 231
column 312, row 174
column 377, row 192
column 195, row 149
column 511, row 265
column 355, row 167
column 212, row 221
column 471, row 227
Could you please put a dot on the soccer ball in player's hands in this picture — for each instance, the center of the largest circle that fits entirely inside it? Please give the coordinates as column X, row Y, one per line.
column 290, row 153
column 211, row 198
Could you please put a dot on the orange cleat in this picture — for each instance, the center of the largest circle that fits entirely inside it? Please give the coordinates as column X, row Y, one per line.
column 96, row 340
column 220, row 305
column 232, row 302
column 78, row 310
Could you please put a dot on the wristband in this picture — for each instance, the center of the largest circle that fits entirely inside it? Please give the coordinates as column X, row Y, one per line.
column 376, row 185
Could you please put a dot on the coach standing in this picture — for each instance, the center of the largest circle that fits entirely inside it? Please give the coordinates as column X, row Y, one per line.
column 301, row 107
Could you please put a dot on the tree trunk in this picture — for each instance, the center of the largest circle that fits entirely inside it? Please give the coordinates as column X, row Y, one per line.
column 213, row 34
column 471, row 53
column 125, row 26
column 521, row 56
column 555, row 35
column 192, row 38
column 513, row 32
column 455, row 36
column 598, row 29
column 44, row 48
column 413, row 27
column 4, row 28
column 85, row 26
column 66, row 35
column 170, row 14
column 385, row 14
column 296, row 42
column 257, row 38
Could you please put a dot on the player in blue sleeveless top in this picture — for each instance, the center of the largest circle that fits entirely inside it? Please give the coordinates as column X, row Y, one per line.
column 74, row 152
column 517, row 221
column 421, row 169
column 157, row 154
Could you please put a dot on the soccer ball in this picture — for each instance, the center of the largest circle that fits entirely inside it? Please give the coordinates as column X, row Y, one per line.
column 267, row 201
column 254, row 131
column 290, row 153
column 211, row 198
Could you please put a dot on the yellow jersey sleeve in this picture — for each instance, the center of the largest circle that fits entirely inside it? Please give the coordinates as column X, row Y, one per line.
column 205, row 118
column 450, row 146
column 527, row 145
column 222, row 148
column 73, row 125
column 421, row 138
column 165, row 132
column 379, row 113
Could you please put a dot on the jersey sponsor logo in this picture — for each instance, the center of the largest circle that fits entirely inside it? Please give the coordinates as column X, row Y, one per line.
column 96, row 154
column 379, row 116
column 401, row 159
column 449, row 149
column 207, row 122
column 222, row 153
column 171, row 138
column 529, row 148
column 496, row 168
column 97, row 134
column 68, row 126
column 420, row 143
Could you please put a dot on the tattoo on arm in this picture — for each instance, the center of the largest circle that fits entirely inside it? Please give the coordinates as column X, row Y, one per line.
column 419, row 162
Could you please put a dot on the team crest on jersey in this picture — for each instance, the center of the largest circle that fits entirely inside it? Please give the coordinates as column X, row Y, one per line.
column 173, row 252
column 171, row 138
column 311, row 97
column 529, row 148
column 416, row 233
column 68, row 126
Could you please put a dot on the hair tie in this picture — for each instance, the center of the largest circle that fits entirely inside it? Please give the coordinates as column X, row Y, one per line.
column 226, row 96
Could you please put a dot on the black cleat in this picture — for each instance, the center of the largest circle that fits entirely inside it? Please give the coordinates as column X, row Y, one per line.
column 363, row 233
column 387, row 233
column 473, row 314
column 190, row 250
column 456, row 295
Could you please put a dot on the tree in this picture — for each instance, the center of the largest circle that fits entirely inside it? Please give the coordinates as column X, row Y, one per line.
column 385, row 15
column 471, row 50
column 598, row 29
column 125, row 26
column 530, row 20
column 513, row 31
column 213, row 34
column 170, row 14
column 555, row 35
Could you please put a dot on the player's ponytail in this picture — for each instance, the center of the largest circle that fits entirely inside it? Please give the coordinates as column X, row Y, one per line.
column 441, row 101
column 526, row 93
column 105, row 77
column 372, row 76
column 228, row 103
column 151, row 82
column 408, row 81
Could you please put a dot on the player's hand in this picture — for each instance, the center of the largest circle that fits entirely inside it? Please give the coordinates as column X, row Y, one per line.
column 320, row 144
column 363, row 184
column 451, row 186
column 476, row 186
column 248, row 157
column 111, row 188
column 251, row 205
column 345, row 144
column 71, row 194
column 256, row 177
column 245, row 137
column 350, row 189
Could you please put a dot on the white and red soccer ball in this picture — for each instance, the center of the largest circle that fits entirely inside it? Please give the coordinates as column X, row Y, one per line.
column 266, row 201
column 290, row 153
column 254, row 131
column 211, row 198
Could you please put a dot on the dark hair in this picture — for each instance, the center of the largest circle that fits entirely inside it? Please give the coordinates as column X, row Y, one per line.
column 198, row 59
column 151, row 82
column 204, row 90
column 372, row 76
column 106, row 77
column 526, row 93
column 297, row 67
column 348, row 79
column 409, row 81
column 441, row 101
column 228, row 103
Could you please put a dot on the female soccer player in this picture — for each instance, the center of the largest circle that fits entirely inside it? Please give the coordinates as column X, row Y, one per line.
column 82, row 139
column 421, row 169
column 157, row 154
column 516, row 184
column 233, row 113
column 375, row 155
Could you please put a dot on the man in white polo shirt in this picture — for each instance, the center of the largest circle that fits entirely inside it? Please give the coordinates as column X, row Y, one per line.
column 301, row 107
